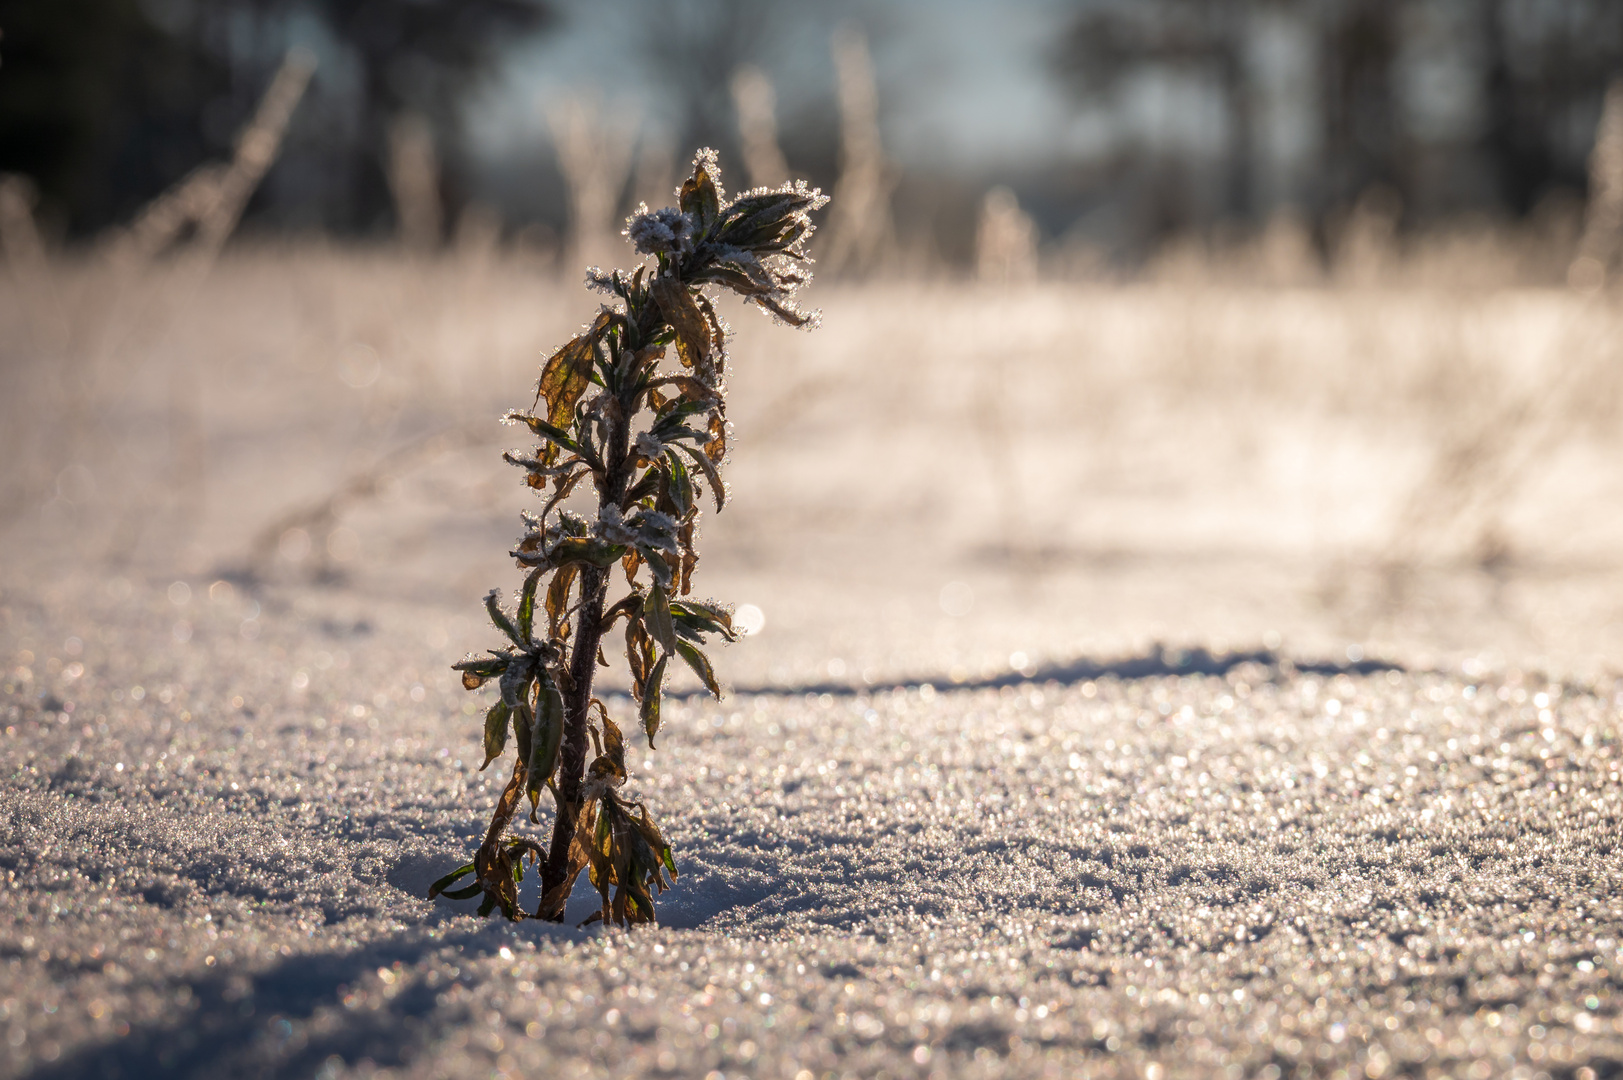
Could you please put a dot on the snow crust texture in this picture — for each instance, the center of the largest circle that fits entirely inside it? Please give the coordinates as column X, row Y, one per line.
column 214, row 852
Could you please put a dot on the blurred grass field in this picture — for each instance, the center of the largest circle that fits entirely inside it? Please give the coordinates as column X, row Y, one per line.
column 1421, row 455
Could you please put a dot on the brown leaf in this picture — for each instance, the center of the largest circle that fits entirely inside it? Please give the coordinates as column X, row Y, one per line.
column 690, row 557
column 552, row 903
column 692, row 332
column 689, row 389
column 565, row 377
column 611, row 761
column 639, row 655
column 718, row 331
column 558, row 596
column 562, row 485
column 716, row 448
column 699, row 195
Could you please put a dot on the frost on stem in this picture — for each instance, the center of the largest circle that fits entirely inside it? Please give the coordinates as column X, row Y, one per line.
column 636, row 405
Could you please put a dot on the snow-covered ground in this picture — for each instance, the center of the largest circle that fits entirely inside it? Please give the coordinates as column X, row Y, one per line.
column 1082, row 733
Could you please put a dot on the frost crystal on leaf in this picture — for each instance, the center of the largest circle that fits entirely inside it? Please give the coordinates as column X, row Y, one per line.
column 612, row 528
column 648, row 446
column 660, row 231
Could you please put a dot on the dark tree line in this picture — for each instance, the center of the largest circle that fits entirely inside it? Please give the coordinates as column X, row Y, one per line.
column 104, row 103
column 1453, row 104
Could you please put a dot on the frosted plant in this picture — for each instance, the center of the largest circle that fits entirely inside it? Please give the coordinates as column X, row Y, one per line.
column 651, row 438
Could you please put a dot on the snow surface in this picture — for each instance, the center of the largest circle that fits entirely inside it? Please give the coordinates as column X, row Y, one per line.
column 1139, row 874
column 233, row 577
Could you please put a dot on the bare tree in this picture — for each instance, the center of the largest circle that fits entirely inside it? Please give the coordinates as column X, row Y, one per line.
column 756, row 102
column 414, row 181
column 595, row 156
column 862, row 236
column 1603, row 222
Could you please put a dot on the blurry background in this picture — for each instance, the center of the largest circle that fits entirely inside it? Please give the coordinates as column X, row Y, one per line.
column 1116, row 124
column 1186, row 322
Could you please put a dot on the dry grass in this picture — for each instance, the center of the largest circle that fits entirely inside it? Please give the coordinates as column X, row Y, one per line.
column 1394, row 444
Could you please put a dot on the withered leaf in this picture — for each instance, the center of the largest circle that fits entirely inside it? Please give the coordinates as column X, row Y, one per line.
column 692, row 332
column 558, row 596
column 551, row 907
column 611, row 760
column 568, row 372
column 699, row 196
column 716, row 448
column 690, row 556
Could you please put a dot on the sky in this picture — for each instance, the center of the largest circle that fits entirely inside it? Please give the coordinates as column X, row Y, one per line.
column 960, row 82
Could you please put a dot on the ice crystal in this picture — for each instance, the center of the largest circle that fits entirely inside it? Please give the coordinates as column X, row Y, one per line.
column 656, row 232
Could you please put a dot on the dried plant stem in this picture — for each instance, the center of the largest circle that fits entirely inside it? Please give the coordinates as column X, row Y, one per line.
column 649, row 483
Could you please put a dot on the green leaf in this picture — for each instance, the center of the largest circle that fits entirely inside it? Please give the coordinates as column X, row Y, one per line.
column 734, row 279
column 644, row 487
column 496, row 732
column 548, row 736
column 548, row 431
column 675, row 413
column 705, row 618
column 717, row 489
column 493, row 604
column 681, row 432
column 651, row 695
column 585, row 549
column 526, row 606
column 476, row 671
column 656, row 616
column 463, row 894
column 681, row 484
column 449, row 879
column 700, row 663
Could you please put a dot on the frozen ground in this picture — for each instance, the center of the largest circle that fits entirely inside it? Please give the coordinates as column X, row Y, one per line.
column 1253, row 870
column 1070, row 745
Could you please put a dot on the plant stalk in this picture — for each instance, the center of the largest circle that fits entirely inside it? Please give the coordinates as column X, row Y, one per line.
column 594, row 587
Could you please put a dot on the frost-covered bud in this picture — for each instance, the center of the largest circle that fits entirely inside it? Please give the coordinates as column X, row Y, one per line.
column 611, row 527
column 649, row 447
column 660, row 231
